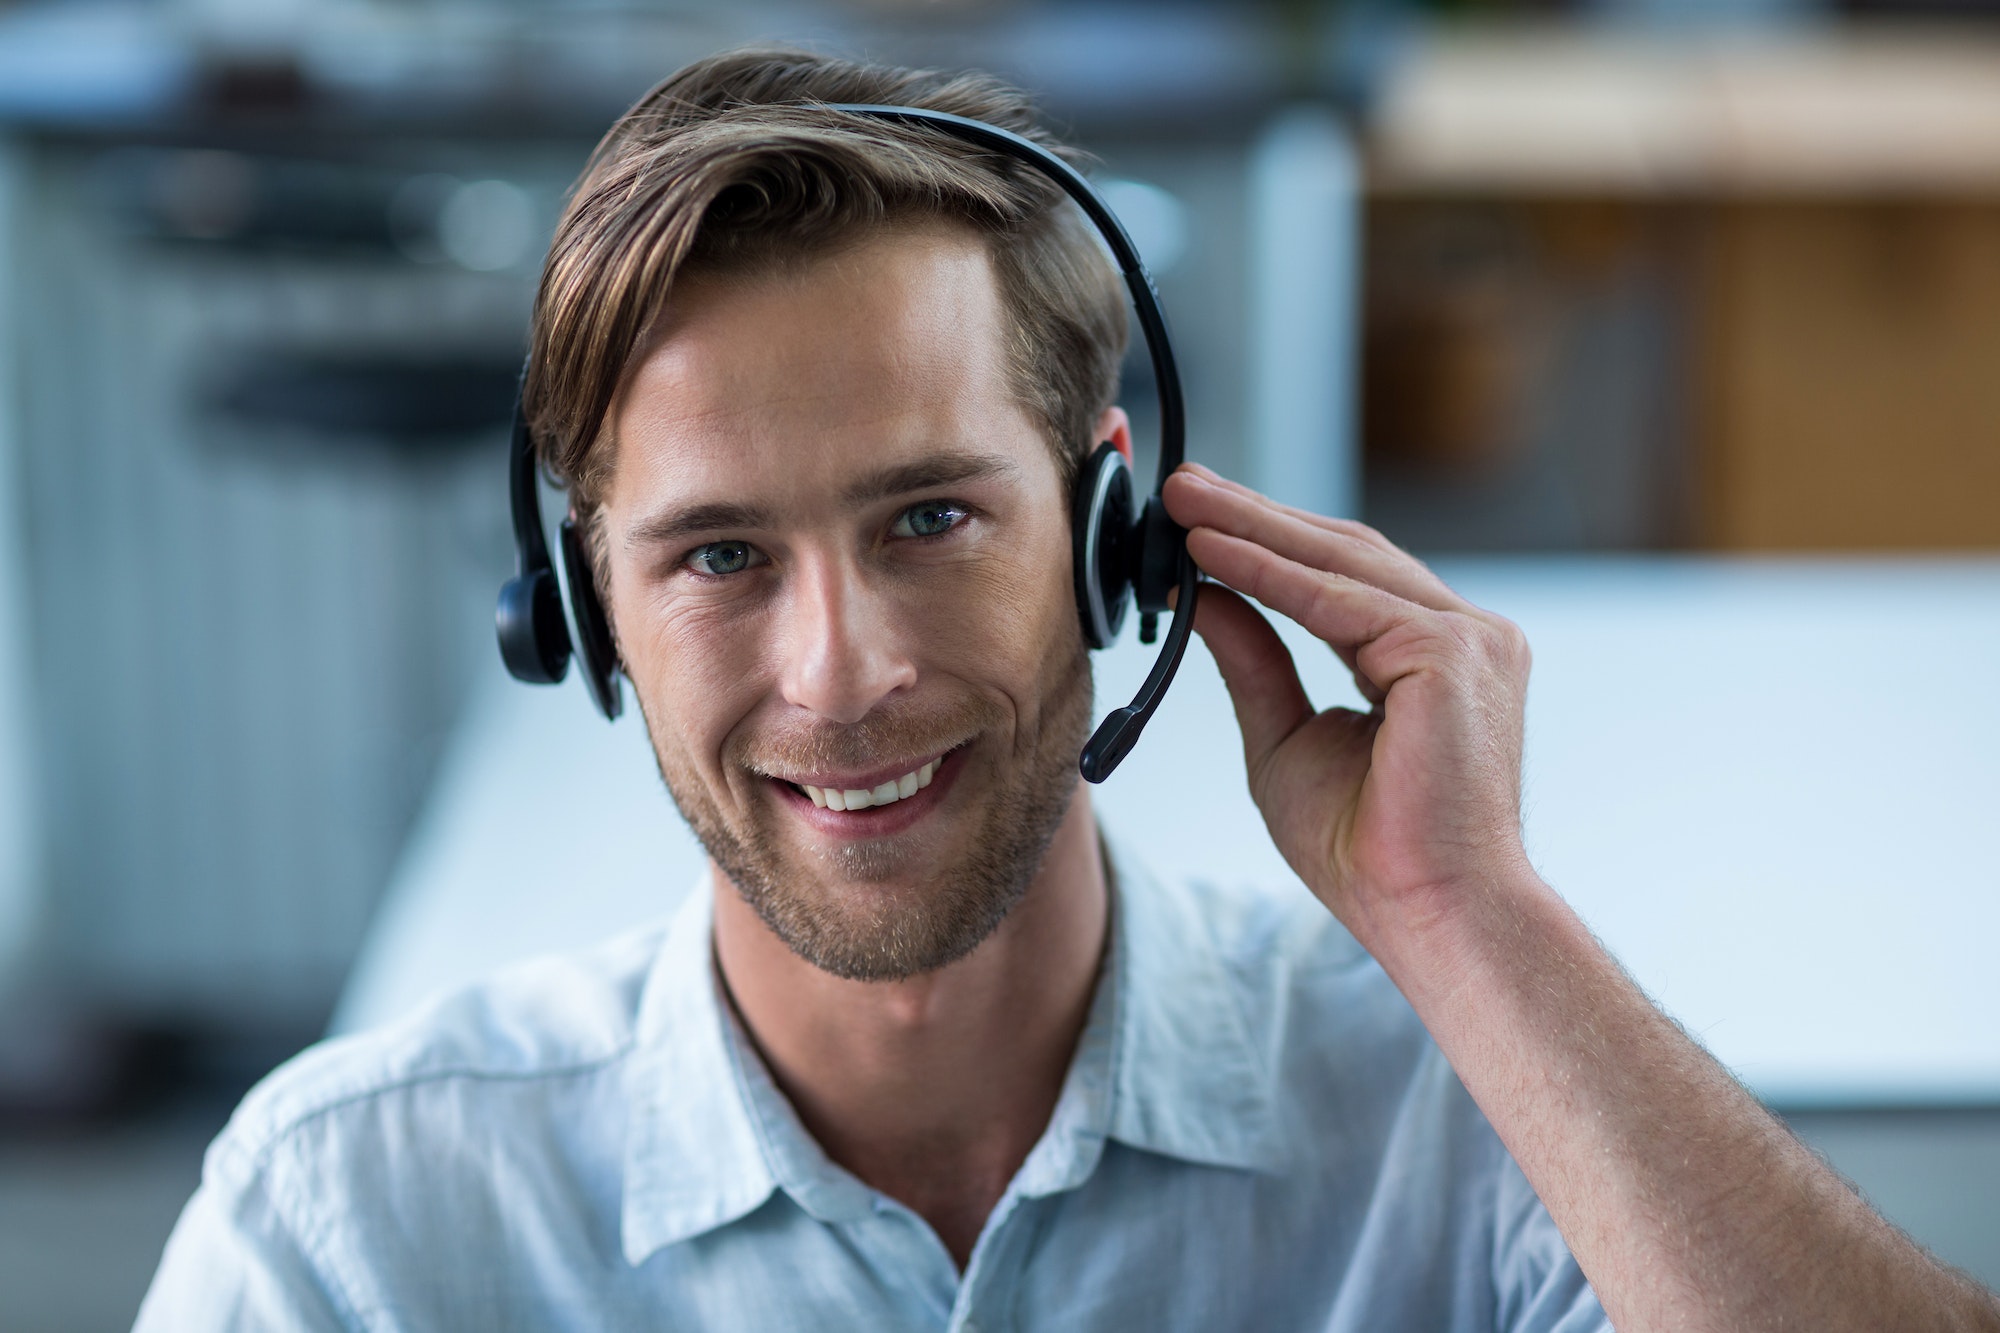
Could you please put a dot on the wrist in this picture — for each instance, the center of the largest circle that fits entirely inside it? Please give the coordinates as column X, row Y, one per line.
column 1437, row 940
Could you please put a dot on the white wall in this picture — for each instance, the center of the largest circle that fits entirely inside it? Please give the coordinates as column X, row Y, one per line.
column 1768, row 785
column 20, row 880
column 1304, row 231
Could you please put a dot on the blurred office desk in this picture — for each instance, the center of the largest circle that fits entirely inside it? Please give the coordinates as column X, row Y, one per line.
column 1769, row 785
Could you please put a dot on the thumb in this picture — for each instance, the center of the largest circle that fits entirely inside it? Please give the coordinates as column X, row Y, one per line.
column 1263, row 683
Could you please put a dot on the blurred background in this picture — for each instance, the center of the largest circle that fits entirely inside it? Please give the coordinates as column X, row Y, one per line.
column 1669, row 327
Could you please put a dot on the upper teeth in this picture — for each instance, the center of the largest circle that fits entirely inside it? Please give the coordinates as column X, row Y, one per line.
column 860, row 798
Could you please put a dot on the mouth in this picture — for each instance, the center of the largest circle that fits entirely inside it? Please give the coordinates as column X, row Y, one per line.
column 902, row 787
column 872, row 803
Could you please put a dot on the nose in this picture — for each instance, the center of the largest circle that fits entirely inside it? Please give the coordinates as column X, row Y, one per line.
column 842, row 651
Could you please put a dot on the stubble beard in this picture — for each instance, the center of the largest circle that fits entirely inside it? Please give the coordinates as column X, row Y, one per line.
column 939, row 913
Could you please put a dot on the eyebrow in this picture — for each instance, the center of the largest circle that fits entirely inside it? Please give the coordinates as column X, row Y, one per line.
column 925, row 474
column 679, row 524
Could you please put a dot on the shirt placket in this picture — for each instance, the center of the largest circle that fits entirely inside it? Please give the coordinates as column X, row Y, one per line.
column 901, row 1245
column 984, row 1302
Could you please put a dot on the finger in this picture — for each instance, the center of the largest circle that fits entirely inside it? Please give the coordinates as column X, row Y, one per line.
column 1367, row 688
column 1193, row 502
column 1344, row 612
column 1263, row 682
column 1350, row 526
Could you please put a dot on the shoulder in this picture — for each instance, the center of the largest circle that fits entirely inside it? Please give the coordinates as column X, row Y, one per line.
column 535, row 1024
column 1340, row 1045
column 385, row 1169
column 1266, row 935
column 1311, row 981
column 1273, row 927
column 1314, row 1001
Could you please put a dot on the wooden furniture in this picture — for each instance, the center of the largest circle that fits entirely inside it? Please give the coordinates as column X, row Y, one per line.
column 1828, row 206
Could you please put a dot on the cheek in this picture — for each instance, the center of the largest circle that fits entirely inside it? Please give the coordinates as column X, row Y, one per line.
column 1008, row 617
column 696, row 677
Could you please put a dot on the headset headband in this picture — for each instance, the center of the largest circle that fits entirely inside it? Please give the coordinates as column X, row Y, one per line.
column 537, row 645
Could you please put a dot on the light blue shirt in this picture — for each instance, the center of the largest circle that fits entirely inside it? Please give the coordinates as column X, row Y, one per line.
column 1255, row 1133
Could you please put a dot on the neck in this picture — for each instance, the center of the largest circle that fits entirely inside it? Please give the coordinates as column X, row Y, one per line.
column 933, row 1089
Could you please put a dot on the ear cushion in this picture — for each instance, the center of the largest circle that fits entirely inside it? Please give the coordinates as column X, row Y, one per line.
column 534, row 642
column 1101, row 532
column 593, row 631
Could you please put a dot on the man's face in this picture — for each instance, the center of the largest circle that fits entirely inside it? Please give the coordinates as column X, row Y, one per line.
column 837, row 555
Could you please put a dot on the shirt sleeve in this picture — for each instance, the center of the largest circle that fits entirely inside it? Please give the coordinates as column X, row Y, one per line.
column 234, row 1264
column 1537, row 1285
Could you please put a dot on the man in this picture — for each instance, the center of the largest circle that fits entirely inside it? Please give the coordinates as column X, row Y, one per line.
column 932, row 1054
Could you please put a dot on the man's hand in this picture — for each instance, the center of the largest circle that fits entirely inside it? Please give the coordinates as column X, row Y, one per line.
column 1388, row 816
column 1687, row 1205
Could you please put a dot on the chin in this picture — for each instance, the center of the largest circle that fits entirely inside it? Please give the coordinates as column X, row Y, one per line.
column 896, row 907
column 918, row 883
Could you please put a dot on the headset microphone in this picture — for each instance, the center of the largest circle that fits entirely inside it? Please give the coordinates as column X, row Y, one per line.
column 1121, row 553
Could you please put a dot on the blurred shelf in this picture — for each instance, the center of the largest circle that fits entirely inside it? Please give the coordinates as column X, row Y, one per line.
column 1728, row 291
column 1852, row 111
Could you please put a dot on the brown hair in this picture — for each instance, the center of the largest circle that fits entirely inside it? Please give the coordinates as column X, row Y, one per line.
column 729, row 164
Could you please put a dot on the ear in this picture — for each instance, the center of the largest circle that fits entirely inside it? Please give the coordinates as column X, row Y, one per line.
column 1114, row 428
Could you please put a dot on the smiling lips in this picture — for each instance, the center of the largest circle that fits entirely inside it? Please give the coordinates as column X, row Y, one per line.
column 862, row 798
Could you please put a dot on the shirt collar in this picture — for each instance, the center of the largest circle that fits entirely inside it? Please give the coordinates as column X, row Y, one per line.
column 1189, row 1080
column 692, row 1158
column 1166, row 1064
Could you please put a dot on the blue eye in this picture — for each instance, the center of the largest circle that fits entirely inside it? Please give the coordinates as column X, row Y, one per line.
column 932, row 518
column 719, row 558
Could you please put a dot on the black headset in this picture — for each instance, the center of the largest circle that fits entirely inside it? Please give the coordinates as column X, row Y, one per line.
column 1120, row 553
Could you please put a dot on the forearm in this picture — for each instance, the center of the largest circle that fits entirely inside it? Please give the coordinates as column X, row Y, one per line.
column 1685, row 1202
column 1687, row 1205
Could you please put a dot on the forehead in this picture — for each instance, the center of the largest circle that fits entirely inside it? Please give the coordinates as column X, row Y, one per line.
column 891, row 348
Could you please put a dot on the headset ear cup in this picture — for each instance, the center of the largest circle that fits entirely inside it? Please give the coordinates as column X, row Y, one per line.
column 593, row 630
column 1101, row 533
column 534, row 642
